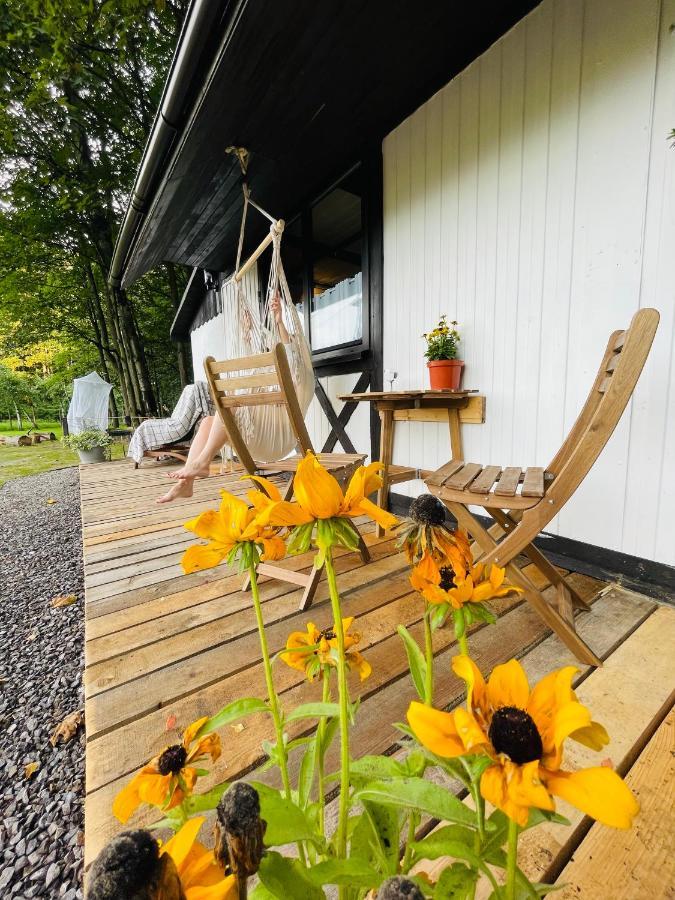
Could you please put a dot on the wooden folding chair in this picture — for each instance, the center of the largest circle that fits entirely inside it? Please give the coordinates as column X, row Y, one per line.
column 274, row 386
column 520, row 514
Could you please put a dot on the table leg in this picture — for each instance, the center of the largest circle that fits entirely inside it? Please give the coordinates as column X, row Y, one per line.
column 386, row 447
column 455, row 433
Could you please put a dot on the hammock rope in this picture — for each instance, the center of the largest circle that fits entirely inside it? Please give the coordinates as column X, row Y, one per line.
column 251, row 328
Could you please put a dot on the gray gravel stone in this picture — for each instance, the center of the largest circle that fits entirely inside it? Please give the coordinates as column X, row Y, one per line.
column 41, row 662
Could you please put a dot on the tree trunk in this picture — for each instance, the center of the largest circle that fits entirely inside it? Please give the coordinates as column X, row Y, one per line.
column 181, row 346
column 19, row 423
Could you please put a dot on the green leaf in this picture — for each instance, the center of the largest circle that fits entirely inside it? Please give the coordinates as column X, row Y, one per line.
column 386, row 826
column 371, row 768
column 451, row 840
column 287, row 878
column 346, row 534
column 352, row 872
column 314, row 711
column 438, row 614
column 537, row 816
column 300, row 539
column 457, row 881
column 286, row 822
column 416, row 661
column 233, row 712
column 330, row 731
column 420, row 794
column 306, row 776
column 197, row 803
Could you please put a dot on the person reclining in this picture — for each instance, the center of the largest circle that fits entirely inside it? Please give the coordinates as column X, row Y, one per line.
column 211, row 436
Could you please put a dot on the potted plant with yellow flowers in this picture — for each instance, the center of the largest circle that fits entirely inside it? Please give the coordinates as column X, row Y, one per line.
column 445, row 369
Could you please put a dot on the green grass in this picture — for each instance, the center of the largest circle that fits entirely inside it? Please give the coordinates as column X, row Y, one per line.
column 16, row 462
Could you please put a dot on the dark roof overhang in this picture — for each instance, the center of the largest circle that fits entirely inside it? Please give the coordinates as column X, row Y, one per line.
column 306, row 87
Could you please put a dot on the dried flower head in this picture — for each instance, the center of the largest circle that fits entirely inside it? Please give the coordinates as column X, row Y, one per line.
column 399, row 888
column 426, row 531
column 129, row 866
column 240, row 830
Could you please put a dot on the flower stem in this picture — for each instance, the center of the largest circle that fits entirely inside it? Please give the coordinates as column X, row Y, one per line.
column 271, row 692
column 343, row 690
column 320, row 734
column 429, row 653
column 413, row 822
column 460, row 630
column 512, row 861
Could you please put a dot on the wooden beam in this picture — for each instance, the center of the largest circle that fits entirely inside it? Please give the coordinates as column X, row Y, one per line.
column 472, row 414
column 338, row 422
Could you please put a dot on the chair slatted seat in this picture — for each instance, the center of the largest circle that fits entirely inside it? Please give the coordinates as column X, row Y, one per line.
column 521, row 502
column 231, row 390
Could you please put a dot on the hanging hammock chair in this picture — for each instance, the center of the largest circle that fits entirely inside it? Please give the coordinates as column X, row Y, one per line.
column 251, row 328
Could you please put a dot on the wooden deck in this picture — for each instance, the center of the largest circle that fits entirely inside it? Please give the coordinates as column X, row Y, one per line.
column 163, row 648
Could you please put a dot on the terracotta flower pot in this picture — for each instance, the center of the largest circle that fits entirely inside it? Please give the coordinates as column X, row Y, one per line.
column 445, row 374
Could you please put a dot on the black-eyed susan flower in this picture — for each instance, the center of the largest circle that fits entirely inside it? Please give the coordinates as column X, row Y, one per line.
column 169, row 777
column 425, row 531
column 442, row 585
column 201, row 876
column 523, row 732
column 318, row 496
column 234, row 524
column 309, row 651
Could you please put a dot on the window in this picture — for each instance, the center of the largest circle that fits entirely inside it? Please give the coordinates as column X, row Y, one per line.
column 324, row 260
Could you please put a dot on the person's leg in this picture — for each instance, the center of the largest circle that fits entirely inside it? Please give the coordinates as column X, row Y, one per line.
column 196, row 447
column 198, row 465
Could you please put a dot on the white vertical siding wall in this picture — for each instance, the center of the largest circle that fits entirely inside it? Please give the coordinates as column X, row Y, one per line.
column 533, row 199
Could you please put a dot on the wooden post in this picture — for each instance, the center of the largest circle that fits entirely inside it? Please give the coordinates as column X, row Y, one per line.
column 386, row 449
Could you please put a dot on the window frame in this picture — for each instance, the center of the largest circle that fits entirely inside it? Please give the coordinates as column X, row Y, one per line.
column 354, row 351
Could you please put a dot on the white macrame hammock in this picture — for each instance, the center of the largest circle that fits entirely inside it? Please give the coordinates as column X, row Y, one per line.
column 250, row 329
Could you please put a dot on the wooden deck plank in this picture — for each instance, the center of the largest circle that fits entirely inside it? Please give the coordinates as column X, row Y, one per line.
column 160, row 643
column 638, row 864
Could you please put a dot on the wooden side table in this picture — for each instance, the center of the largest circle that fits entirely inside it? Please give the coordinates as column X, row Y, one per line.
column 453, row 407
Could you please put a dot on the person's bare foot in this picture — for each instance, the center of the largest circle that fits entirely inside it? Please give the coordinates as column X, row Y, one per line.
column 193, row 471
column 182, row 488
column 176, row 473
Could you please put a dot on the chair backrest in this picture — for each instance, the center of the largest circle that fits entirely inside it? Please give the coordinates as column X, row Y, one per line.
column 617, row 376
column 268, row 382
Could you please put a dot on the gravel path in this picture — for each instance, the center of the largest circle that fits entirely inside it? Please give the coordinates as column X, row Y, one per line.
column 41, row 661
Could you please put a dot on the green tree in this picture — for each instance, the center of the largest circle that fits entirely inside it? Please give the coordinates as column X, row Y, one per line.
column 81, row 81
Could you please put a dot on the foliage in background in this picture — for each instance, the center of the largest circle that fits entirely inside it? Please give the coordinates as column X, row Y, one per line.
column 80, row 84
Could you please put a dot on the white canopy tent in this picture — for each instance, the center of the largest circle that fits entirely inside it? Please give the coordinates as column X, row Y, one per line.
column 89, row 406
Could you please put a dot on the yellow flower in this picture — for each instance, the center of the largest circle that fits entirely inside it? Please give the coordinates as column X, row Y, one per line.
column 234, row 523
column 523, row 732
column 425, row 531
column 319, row 496
column 168, row 777
column 201, row 877
column 310, row 650
column 440, row 584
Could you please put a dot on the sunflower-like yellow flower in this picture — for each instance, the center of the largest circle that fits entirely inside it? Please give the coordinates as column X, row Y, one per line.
column 441, row 584
column 170, row 776
column 235, row 522
column 310, row 650
column 523, row 731
column 425, row 531
column 201, row 876
column 318, row 495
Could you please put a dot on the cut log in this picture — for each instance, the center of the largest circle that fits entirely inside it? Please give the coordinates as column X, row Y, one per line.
column 43, row 436
column 23, row 440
